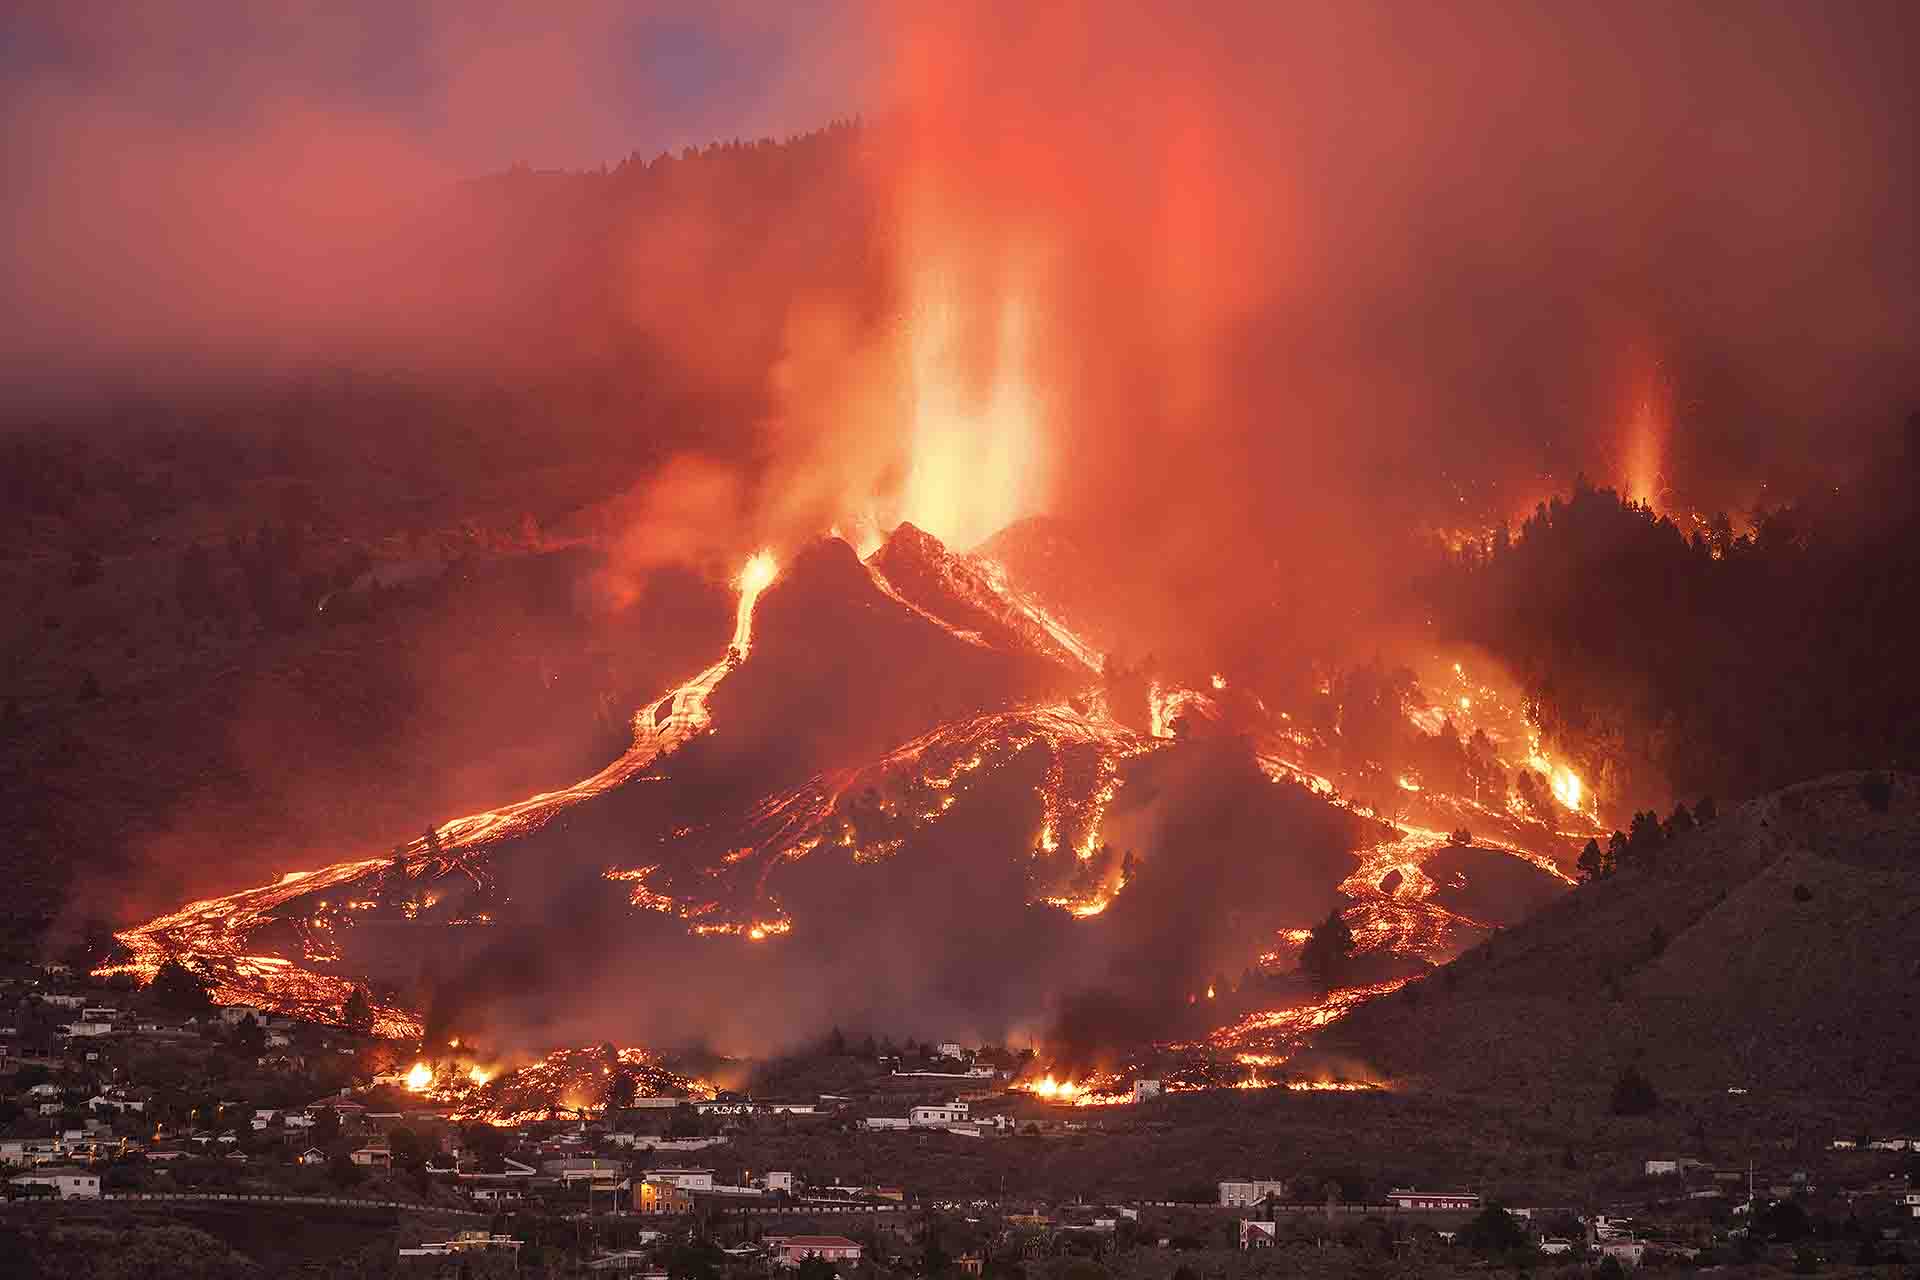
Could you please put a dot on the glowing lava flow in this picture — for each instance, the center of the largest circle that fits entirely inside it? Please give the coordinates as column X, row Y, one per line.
column 1164, row 706
column 871, row 812
column 214, row 932
column 755, row 577
column 1269, row 1038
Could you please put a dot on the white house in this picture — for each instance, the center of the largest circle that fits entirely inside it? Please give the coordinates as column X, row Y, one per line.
column 1458, row 1201
column 791, row 1251
column 780, row 1181
column 685, row 1179
column 69, row 1182
column 935, row 1117
column 1144, row 1089
column 1661, row 1167
column 511, row 1170
column 574, row 1169
column 313, row 1155
column 1244, row 1195
column 1556, row 1245
column 950, row 1049
column 1255, row 1234
column 886, row 1122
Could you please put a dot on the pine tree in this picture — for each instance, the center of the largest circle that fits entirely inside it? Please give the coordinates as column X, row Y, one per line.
column 1327, row 948
column 1593, row 863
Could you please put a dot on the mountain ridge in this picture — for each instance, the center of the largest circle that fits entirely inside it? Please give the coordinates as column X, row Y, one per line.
column 1771, row 950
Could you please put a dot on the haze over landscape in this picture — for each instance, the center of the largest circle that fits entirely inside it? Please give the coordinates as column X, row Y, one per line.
column 1254, row 546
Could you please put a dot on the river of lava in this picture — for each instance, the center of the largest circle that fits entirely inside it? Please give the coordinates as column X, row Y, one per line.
column 214, row 931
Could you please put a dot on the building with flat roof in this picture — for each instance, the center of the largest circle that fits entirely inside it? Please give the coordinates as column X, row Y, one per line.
column 1244, row 1195
column 68, row 1181
column 791, row 1251
column 1461, row 1201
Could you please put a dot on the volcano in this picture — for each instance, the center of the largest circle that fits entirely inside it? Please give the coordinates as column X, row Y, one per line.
column 908, row 790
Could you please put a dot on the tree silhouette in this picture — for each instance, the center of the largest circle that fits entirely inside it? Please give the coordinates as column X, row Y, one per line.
column 1634, row 1094
column 249, row 1037
column 357, row 1016
column 1327, row 949
column 1494, row 1230
column 343, row 1172
column 179, row 990
column 1594, row 863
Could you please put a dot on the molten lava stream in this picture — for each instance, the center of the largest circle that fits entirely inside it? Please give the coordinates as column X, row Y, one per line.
column 214, row 931
column 1269, row 1038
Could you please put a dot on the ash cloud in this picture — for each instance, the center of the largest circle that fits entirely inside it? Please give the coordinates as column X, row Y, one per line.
column 1331, row 270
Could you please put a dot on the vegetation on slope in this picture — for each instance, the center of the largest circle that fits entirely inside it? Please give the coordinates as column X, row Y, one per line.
column 1771, row 951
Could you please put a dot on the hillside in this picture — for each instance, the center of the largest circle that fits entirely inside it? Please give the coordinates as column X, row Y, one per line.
column 1773, row 950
